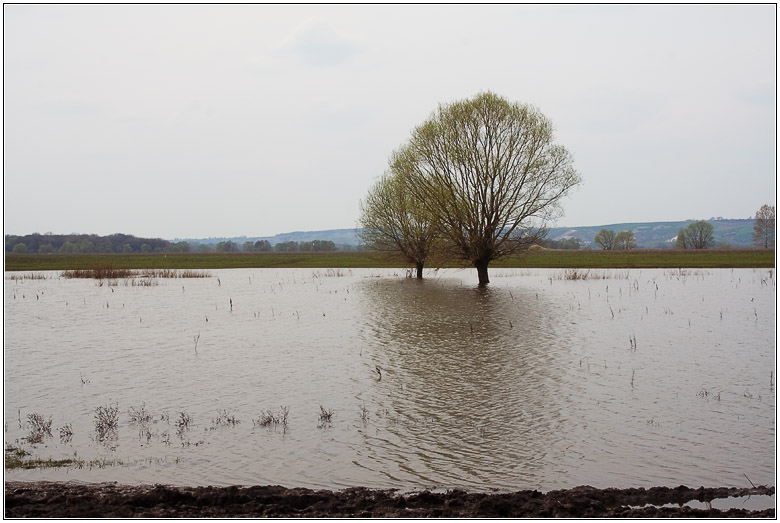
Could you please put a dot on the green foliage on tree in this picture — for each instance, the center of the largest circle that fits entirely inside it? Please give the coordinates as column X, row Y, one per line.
column 227, row 246
column 605, row 239
column 682, row 240
column 698, row 235
column 263, row 246
column 489, row 174
column 392, row 219
column 91, row 243
column 20, row 248
column 290, row 246
column 625, row 240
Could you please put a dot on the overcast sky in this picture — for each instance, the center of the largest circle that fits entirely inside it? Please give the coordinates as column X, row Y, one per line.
column 195, row 121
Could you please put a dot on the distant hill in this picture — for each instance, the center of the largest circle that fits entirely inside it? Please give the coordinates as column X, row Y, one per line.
column 649, row 235
column 340, row 237
column 659, row 235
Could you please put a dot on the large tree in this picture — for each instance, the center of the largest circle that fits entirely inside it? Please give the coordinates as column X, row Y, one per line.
column 392, row 220
column 491, row 174
column 764, row 227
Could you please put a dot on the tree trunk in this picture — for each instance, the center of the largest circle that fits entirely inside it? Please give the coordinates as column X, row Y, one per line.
column 482, row 272
column 419, row 270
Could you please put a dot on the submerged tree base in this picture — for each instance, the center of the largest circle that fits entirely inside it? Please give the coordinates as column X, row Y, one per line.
column 65, row 500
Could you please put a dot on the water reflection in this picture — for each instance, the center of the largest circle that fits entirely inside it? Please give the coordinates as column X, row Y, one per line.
column 472, row 373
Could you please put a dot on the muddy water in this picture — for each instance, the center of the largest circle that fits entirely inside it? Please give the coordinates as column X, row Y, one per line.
column 624, row 379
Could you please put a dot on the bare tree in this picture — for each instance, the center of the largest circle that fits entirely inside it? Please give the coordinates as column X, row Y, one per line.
column 764, row 227
column 392, row 220
column 605, row 239
column 488, row 170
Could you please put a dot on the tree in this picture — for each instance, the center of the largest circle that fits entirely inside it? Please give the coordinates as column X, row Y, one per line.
column 605, row 239
column 248, row 247
column 20, row 248
column 625, row 240
column 290, row 246
column 228, row 246
column 392, row 220
column 263, row 246
column 764, row 227
column 682, row 240
column 488, row 172
column 699, row 235
column 323, row 245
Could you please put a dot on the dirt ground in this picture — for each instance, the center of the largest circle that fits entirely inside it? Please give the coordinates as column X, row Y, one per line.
column 78, row 500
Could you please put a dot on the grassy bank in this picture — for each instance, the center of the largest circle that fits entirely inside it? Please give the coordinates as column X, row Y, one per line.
column 585, row 259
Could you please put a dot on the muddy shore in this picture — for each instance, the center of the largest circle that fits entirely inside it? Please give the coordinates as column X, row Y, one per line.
column 54, row 499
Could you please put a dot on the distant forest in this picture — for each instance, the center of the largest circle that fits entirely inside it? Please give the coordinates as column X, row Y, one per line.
column 129, row 244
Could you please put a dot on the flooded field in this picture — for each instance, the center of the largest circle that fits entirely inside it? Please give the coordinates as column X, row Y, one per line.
column 546, row 379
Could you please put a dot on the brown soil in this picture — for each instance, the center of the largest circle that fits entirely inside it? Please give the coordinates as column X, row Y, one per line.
column 71, row 500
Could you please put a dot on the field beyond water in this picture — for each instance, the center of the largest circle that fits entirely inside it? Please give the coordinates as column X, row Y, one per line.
column 548, row 258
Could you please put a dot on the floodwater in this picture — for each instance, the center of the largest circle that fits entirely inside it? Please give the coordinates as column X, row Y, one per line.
column 623, row 379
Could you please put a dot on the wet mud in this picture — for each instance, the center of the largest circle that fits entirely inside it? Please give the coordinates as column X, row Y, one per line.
column 78, row 500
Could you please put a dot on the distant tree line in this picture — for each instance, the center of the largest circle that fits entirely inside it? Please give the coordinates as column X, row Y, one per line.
column 89, row 243
column 265, row 246
column 127, row 244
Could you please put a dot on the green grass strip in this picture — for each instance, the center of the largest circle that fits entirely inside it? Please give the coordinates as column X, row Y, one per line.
column 582, row 259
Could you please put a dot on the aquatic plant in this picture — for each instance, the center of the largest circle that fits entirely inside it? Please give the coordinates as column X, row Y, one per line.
column 269, row 418
column 39, row 424
column 106, row 421
column 66, row 433
column 326, row 416
column 184, row 422
column 139, row 415
column 225, row 418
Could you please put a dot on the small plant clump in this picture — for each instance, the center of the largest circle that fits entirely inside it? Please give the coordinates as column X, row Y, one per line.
column 225, row 418
column 184, row 422
column 326, row 416
column 66, row 433
column 269, row 418
column 106, row 421
column 39, row 428
column 139, row 415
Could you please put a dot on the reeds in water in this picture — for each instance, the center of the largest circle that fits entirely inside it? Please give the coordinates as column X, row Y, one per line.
column 108, row 272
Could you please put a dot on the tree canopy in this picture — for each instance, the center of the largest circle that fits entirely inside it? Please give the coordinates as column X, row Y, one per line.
column 698, row 235
column 392, row 219
column 605, row 239
column 490, row 173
